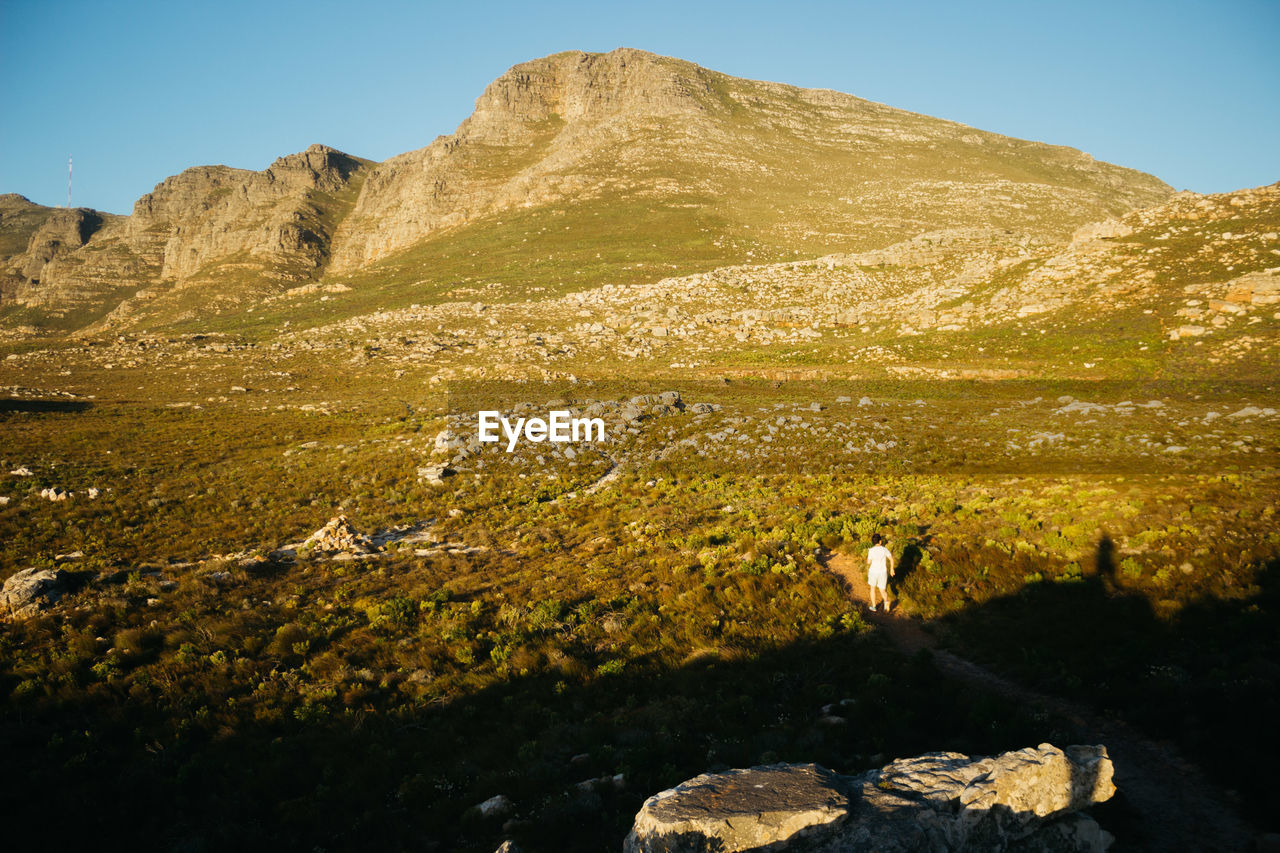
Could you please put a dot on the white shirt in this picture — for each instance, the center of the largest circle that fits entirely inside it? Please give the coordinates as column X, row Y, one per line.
column 878, row 558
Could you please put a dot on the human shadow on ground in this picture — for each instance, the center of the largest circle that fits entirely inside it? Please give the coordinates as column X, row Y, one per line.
column 42, row 406
column 1203, row 678
column 912, row 556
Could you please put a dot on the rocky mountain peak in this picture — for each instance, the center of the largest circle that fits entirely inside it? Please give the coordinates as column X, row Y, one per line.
column 208, row 213
column 319, row 167
column 643, row 152
column 206, row 224
column 15, row 201
column 576, row 86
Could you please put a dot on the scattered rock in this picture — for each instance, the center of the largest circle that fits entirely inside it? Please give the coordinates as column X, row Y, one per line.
column 495, row 806
column 55, row 493
column 1080, row 407
column 670, row 398
column 447, row 440
column 617, row 782
column 435, row 474
column 338, row 536
column 742, row 810
column 1111, row 229
column 1187, row 332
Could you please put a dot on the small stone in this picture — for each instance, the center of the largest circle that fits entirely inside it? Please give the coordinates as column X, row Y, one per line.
column 496, row 806
column 435, row 474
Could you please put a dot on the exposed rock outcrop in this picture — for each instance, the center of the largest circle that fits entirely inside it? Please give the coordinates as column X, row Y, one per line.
column 1030, row 799
column 210, row 213
column 63, row 232
column 338, row 536
column 32, row 590
column 243, row 229
column 538, row 124
column 32, row 236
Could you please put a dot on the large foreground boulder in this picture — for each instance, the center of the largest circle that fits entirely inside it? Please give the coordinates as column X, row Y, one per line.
column 32, row 590
column 1028, row 800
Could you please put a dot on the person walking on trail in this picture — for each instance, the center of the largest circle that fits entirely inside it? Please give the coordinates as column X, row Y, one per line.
column 879, row 568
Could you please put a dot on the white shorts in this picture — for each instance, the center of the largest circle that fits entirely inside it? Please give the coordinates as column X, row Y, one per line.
column 878, row 579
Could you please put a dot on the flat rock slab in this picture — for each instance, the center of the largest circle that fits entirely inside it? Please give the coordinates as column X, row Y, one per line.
column 1025, row 800
column 741, row 810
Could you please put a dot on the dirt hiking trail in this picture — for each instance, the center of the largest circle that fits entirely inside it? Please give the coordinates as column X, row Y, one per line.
column 1175, row 808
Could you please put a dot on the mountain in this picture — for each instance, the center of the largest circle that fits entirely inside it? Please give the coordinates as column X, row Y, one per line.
column 574, row 170
column 208, row 237
column 797, row 170
column 32, row 235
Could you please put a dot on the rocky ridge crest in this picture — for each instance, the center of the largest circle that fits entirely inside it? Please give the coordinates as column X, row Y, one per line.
column 207, row 223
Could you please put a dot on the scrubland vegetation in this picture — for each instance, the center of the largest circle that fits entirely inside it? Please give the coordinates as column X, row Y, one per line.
column 1059, row 406
column 576, row 652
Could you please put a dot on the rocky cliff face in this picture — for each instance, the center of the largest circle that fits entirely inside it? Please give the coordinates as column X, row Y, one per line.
column 208, row 224
column 61, row 231
column 524, row 145
column 210, row 213
column 19, row 219
column 32, row 235
column 1028, row 800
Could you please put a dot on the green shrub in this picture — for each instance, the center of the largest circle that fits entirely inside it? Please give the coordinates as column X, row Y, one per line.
column 288, row 636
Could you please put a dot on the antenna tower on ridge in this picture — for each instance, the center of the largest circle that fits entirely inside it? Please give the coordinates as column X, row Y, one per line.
column 68, row 180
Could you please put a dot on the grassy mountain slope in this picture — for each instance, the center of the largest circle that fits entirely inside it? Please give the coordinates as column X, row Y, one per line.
column 1185, row 288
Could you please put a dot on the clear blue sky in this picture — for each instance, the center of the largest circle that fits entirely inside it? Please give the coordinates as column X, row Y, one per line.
column 138, row 90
